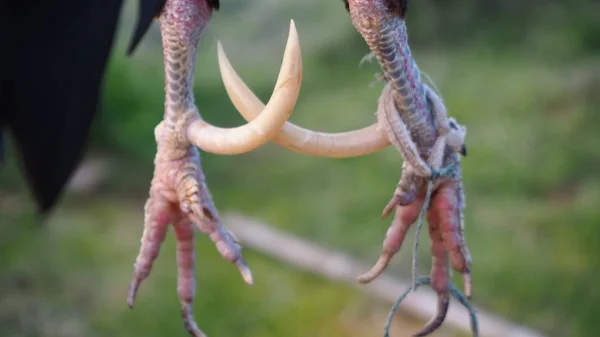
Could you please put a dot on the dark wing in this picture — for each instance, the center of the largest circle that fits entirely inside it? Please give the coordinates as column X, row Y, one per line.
column 51, row 74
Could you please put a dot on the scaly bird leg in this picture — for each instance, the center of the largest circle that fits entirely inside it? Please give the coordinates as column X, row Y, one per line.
column 398, row 133
column 415, row 121
column 408, row 121
column 178, row 192
column 406, row 189
column 179, row 195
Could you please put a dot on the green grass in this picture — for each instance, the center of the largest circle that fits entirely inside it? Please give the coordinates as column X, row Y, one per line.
column 72, row 281
column 531, row 177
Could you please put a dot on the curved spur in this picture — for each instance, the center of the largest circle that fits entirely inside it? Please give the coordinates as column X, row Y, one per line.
column 334, row 145
column 273, row 116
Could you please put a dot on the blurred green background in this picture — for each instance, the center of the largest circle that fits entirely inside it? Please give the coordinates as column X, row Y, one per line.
column 523, row 76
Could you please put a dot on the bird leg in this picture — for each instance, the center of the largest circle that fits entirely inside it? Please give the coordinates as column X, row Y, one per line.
column 416, row 123
column 179, row 194
column 446, row 226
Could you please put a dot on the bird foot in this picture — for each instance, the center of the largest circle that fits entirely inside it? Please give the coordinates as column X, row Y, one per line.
column 178, row 193
column 179, row 196
column 448, row 247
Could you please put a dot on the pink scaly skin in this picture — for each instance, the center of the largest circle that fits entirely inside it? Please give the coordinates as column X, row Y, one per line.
column 178, row 191
column 446, row 226
column 416, row 123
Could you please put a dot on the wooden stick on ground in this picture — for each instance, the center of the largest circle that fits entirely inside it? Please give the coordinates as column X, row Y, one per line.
column 339, row 267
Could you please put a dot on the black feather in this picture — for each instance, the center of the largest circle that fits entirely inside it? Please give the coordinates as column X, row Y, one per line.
column 147, row 11
column 51, row 75
column 214, row 4
column 1, row 148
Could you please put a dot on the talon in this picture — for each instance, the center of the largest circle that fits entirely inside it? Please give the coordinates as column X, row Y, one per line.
column 377, row 269
column 245, row 271
column 463, row 150
column 404, row 195
column 442, row 309
column 468, row 286
column 133, row 289
column 188, row 320
column 230, row 249
column 390, row 206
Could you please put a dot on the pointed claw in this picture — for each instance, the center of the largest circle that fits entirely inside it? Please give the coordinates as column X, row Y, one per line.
column 230, row 249
column 405, row 192
column 240, row 263
column 187, row 314
column 442, row 309
column 245, row 271
column 463, row 150
column 468, row 286
column 377, row 269
column 133, row 289
column 390, row 206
